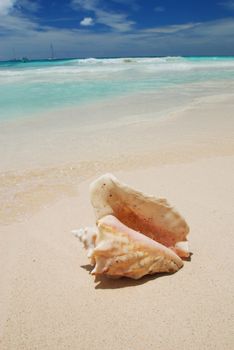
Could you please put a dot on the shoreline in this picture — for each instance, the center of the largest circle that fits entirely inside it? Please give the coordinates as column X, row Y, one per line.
column 54, row 169
column 34, row 143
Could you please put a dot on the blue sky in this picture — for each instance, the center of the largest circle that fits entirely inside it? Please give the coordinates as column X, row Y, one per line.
column 102, row 28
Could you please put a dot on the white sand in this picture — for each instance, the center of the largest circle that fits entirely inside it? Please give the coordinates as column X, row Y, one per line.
column 48, row 300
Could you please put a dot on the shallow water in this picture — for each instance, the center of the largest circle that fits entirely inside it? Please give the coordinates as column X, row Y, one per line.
column 38, row 86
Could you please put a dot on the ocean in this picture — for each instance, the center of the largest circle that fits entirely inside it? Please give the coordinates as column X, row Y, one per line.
column 29, row 88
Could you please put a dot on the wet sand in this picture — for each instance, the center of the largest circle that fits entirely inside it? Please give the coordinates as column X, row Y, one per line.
column 48, row 299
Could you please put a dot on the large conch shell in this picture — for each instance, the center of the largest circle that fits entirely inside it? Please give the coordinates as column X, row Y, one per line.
column 135, row 235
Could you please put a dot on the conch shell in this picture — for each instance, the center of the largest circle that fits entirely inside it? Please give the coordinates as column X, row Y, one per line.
column 135, row 235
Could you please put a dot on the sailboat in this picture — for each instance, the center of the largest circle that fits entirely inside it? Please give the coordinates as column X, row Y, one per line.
column 51, row 52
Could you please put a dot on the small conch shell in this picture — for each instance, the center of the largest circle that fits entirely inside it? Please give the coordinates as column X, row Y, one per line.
column 135, row 235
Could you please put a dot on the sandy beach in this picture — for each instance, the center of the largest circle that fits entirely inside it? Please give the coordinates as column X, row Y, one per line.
column 48, row 299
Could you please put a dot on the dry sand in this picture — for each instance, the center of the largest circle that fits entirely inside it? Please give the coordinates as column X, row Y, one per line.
column 48, row 299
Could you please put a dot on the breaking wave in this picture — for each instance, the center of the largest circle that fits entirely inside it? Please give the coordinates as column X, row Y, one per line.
column 86, row 68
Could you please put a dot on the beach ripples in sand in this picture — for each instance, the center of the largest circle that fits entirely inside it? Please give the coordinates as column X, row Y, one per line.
column 23, row 193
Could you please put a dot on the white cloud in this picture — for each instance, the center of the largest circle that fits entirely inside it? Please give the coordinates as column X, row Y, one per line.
column 208, row 38
column 29, row 5
column 228, row 4
column 89, row 5
column 116, row 21
column 14, row 20
column 10, row 7
column 6, row 6
column 16, row 24
column 170, row 28
column 87, row 21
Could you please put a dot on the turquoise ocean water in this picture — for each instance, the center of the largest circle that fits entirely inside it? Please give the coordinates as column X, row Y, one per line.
column 36, row 86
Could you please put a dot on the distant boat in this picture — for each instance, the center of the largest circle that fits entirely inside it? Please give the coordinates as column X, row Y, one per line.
column 24, row 59
column 51, row 52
